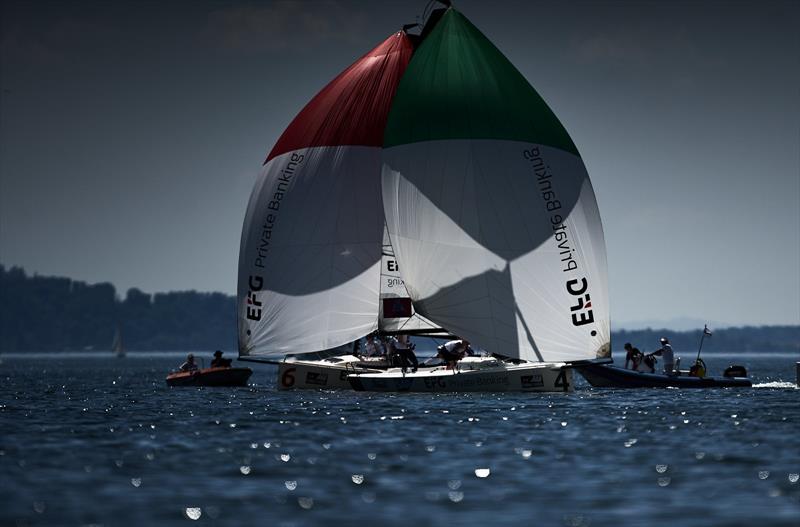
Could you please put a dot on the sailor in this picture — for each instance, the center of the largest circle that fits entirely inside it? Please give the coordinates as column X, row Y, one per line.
column 405, row 353
column 370, row 349
column 453, row 351
column 633, row 356
column 190, row 364
column 219, row 362
column 667, row 356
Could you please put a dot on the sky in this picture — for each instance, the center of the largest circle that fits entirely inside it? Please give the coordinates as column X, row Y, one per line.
column 131, row 134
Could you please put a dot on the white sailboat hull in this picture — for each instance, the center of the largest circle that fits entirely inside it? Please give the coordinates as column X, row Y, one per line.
column 317, row 374
column 525, row 377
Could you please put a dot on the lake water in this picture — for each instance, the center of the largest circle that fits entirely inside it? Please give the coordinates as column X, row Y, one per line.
column 90, row 440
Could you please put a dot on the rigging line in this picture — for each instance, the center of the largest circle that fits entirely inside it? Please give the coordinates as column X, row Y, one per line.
column 380, row 277
column 416, row 317
column 425, row 11
column 528, row 334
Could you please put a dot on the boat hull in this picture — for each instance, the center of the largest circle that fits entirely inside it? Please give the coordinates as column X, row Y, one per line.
column 511, row 378
column 315, row 375
column 607, row 376
column 211, row 377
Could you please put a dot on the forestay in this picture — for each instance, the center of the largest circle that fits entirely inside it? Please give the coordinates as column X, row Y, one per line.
column 489, row 205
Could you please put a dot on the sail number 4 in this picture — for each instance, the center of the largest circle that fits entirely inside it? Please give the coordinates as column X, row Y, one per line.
column 561, row 380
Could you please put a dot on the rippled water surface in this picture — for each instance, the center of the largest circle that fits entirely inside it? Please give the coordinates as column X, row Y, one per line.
column 103, row 441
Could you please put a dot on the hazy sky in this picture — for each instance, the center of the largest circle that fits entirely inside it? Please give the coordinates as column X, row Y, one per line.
column 131, row 135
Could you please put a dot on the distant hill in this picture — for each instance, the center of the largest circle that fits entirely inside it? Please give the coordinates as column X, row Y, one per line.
column 40, row 313
column 747, row 338
column 674, row 324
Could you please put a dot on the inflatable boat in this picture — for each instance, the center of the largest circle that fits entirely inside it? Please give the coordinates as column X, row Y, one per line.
column 210, row 377
column 610, row 376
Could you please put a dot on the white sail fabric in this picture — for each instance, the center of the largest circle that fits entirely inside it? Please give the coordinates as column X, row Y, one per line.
column 309, row 265
column 501, row 243
column 309, row 262
column 394, row 292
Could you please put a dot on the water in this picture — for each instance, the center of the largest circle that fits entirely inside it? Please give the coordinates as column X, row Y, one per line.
column 103, row 441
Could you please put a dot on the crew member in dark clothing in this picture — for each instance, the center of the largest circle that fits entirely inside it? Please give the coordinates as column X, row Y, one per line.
column 190, row 364
column 633, row 356
column 219, row 362
column 405, row 352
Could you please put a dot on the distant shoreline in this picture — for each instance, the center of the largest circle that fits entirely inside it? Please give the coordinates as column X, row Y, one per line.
column 55, row 314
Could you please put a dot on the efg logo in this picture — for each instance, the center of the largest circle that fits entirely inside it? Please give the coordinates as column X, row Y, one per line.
column 253, row 305
column 582, row 313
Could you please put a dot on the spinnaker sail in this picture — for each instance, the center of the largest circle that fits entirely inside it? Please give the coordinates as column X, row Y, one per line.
column 309, row 262
column 489, row 205
column 451, row 162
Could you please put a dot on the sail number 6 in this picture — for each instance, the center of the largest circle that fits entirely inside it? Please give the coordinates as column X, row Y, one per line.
column 287, row 379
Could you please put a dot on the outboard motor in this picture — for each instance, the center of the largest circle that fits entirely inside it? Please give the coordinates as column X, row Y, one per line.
column 699, row 369
column 735, row 371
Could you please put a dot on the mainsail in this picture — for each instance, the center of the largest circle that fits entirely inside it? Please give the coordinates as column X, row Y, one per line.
column 489, row 205
column 309, row 263
column 397, row 309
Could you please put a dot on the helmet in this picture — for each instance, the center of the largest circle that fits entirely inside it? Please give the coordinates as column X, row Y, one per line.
column 664, row 340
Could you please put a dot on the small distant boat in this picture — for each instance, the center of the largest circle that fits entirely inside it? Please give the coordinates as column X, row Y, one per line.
column 608, row 376
column 210, row 377
column 117, row 346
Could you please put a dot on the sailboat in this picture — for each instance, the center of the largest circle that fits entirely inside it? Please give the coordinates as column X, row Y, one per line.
column 117, row 346
column 437, row 145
